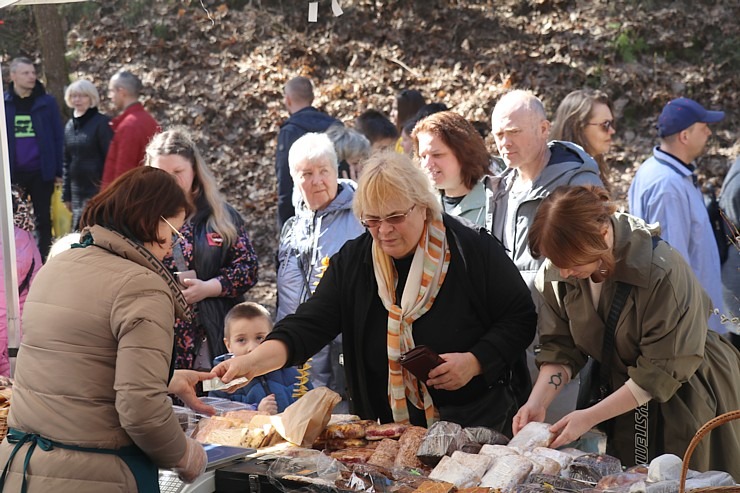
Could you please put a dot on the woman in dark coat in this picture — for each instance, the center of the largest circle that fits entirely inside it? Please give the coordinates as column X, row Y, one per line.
column 666, row 373
column 416, row 277
column 87, row 137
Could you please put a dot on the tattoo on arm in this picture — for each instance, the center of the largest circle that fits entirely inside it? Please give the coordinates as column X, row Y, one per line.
column 556, row 380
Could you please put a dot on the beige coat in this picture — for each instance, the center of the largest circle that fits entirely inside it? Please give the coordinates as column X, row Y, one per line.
column 92, row 368
column 662, row 342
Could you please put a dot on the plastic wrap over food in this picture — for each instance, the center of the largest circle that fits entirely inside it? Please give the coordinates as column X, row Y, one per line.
column 593, row 467
column 574, row 452
column 620, row 481
column 507, row 472
column 452, row 471
column 408, row 445
column 497, row 450
column 534, row 434
column 483, row 435
column 663, row 467
column 385, row 453
column 709, row 479
column 387, row 430
column 669, row 486
column 345, row 430
column 542, row 464
column 316, row 468
column 562, row 458
column 478, row 463
column 437, row 441
column 559, row 483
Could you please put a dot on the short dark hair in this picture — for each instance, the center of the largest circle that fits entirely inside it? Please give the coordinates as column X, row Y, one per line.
column 408, row 102
column 300, row 89
column 375, row 126
column 135, row 202
column 464, row 141
column 247, row 310
column 430, row 109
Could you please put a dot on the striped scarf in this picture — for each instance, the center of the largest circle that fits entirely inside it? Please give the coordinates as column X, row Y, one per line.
column 428, row 270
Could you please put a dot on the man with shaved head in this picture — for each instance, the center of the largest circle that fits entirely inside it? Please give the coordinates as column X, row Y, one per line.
column 132, row 129
column 304, row 118
column 534, row 168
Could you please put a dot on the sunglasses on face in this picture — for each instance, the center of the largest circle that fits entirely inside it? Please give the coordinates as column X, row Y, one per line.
column 177, row 237
column 605, row 125
column 394, row 219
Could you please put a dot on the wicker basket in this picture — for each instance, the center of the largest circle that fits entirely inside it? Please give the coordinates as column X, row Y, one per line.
column 703, row 431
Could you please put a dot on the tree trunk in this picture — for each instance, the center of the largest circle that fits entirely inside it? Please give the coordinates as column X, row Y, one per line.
column 52, row 44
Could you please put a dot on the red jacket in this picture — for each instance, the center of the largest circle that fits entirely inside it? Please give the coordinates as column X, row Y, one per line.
column 132, row 131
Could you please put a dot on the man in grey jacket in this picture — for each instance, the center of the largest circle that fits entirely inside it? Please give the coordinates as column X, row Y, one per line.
column 534, row 168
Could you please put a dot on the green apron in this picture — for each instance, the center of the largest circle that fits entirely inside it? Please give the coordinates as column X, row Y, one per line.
column 143, row 469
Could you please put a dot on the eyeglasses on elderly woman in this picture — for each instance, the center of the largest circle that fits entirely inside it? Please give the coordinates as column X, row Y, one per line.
column 393, row 219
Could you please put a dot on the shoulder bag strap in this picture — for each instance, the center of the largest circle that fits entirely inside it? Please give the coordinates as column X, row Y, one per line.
column 607, row 349
column 27, row 280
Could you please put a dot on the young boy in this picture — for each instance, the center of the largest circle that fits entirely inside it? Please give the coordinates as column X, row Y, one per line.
column 245, row 327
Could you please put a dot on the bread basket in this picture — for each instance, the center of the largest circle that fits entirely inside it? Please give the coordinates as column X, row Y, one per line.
column 701, row 433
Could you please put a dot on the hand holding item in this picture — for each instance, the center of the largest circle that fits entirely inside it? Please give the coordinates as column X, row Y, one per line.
column 456, row 371
column 527, row 413
column 571, row 427
column 193, row 462
column 183, row 386
column 197, row 290
column 268, row 405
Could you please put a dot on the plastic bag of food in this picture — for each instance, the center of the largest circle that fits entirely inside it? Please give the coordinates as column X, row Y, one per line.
column 534, row 434
column 455, row 472
column 440, row 436
column 593, row 467
column 507, row 472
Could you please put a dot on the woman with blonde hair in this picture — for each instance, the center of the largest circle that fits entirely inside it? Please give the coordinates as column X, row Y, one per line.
column 586, row 117
column 614, row 291
column 215, row 263
column 416, row 277
column 87, row 137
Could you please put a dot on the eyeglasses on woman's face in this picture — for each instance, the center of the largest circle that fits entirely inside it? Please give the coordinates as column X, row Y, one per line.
column 177, row 237
column 605, row 125
column 393, row 219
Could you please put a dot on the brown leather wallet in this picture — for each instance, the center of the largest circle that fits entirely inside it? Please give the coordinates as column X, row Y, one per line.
column 420, row 361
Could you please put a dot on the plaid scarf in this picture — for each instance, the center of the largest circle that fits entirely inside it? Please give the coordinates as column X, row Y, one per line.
column 428, row 270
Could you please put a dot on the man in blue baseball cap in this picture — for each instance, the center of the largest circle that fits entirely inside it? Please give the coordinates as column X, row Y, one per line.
column 665, row 191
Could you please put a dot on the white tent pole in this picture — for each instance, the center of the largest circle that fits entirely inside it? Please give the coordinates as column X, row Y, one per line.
column 8, row 237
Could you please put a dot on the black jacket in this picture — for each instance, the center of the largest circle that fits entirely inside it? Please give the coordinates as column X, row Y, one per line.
column 300, row 123
column 343, row 299
column 86, row 142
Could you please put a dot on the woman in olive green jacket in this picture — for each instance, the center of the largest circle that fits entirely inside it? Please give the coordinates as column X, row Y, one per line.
column 668, row 373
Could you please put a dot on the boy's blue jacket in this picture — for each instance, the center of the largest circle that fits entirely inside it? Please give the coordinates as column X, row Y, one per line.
column 281, row 382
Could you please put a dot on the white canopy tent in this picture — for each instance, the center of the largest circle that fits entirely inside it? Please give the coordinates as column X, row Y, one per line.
column 6, row 210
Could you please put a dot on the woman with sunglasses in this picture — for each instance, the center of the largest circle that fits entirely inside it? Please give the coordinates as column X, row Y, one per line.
column 416, row 277
column 90, row 410
column 664, row 372
column 586, row 117
column 214, row 261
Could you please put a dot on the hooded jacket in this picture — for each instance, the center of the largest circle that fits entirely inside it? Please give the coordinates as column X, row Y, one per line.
column 580, row 170
column 47, row 125
column 307, row 242
column 301, row 122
